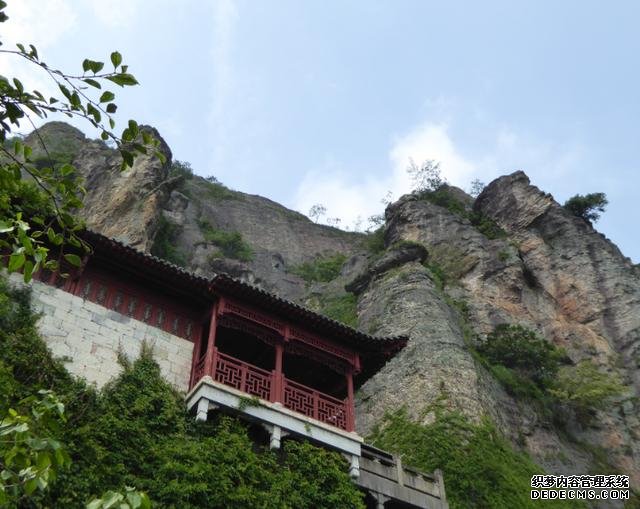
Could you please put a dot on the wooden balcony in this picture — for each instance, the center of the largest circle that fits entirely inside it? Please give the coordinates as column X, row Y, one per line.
column 276, row 388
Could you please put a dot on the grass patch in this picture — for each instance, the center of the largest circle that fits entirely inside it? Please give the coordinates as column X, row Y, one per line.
column 342, row 309
column 322, row 269
column 229, row 244
column 181, row 169
column 484, row 224
column 164, row 243
column 217, row 191
column 480, row 467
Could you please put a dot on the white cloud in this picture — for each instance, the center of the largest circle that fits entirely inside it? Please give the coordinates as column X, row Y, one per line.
column 431, row 141
column 350, row 196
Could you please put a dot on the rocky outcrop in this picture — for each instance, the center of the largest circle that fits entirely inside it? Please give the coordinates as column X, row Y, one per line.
column 552, row 272
column 279, row 238
column 124, row 205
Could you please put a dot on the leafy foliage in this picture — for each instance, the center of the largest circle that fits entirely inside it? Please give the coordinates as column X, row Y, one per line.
column 322, row 269
column 588, row 207
column 29, row 455
column 485, row 225
column 374, row 241
column 164, row 243
column 585, row 388
column 216, row 191
column 524, row 352
column 342, row 308
column 425, row 177
column 181, row 169
column 230, row 244
column 477, row 186
column 131, row 499
column 136, row 433
column 480, row 468
column 40, row 196
column 316, row 211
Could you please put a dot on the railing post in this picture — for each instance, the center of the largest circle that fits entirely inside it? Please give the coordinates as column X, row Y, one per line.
column 351, row 425
column 277, row 386
column 209, row 363
column 243, row 377
column 315, row 405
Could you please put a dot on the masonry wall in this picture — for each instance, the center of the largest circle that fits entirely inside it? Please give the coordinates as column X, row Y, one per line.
column 89, row 337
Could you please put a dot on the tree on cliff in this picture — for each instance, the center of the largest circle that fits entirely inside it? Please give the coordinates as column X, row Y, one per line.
column 39, row 200
column 588, row 207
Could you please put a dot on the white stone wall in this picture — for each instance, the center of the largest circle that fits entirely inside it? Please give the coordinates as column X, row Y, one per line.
column 89, row 336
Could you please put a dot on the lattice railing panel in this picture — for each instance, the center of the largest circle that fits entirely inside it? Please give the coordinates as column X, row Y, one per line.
column 298, row 398
column 314, row 404
column 332, row 413
column 258, row 384
column 243, row 376
column 228, row 371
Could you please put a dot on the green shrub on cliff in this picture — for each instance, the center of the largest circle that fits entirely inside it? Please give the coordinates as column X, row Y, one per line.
column 322, row 269
column 229, row 244
column 585, row 388
column 523, row 351
column 588, row 207
column 480, row 468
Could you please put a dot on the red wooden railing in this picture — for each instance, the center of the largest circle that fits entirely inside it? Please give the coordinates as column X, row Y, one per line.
column 315, row 404
column 242, row 376
column 262, row 383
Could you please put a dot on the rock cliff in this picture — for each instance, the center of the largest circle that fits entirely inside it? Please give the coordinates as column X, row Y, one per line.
column 445, row 277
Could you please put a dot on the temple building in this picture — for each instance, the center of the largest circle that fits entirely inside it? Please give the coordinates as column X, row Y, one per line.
column 231, row 347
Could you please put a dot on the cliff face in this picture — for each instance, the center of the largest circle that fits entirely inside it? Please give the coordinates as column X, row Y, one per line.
column 547, row 270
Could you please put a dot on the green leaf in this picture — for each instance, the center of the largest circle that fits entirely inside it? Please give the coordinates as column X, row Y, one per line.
column 116, row 59
column 16, row 261
column 107, row 96
column 28, row 270
column 92, row 110
column 65, row 91
column 6, row 227
column 94, row 504
column 18, row 85
column 104, row 135
column 111, row 108
column 73, row 259
column 30, row 486
column 92, row 82
column 123, row 79
column 67, row 169
column 92, row 65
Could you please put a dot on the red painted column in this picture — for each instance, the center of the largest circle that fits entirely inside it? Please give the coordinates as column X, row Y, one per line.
column 277, row 389
column 351, row 415
column 194, row 360
column 210, row 359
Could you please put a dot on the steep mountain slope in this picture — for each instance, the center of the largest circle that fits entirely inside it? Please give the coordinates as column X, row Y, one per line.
column 447, row 275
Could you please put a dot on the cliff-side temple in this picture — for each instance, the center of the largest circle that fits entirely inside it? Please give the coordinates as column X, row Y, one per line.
column 232, row 348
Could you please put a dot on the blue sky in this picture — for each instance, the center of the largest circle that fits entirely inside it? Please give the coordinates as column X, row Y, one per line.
column 326, row 101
